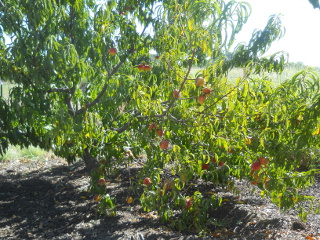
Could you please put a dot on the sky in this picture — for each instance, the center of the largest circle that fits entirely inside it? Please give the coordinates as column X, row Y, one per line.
column 302, row 23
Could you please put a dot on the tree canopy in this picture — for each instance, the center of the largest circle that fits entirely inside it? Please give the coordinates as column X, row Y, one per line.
column 315, row 3
column 110, row 82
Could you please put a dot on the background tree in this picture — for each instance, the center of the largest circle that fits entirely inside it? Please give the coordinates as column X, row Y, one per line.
column 86, row 85
column 315, row 3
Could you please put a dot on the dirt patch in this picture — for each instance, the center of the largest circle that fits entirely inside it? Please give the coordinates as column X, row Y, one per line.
column 49, row 199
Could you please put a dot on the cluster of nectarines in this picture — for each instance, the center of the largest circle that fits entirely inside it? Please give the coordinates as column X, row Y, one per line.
column 153, row 127
column 164, row 144
column 200, row 81
column 256, row 166
column 262, row 161
column 101, row 182
column 144, row 67
column 206, row 166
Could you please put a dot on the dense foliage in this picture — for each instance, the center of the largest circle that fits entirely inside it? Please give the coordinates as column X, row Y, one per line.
column 110, row 82
column 315, row 3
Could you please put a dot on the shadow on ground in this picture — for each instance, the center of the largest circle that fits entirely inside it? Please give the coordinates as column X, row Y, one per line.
column 54, row 203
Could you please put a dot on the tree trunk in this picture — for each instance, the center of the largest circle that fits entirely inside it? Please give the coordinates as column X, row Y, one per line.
column 91, row 162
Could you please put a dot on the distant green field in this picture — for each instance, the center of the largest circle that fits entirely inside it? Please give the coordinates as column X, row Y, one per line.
column 4, row 89
column 290, row 70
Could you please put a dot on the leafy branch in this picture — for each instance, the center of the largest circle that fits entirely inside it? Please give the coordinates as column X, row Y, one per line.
column 110, row 74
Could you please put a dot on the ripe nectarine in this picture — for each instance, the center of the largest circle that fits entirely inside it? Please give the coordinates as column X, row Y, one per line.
column 164, row 144
column 146, row 67
column 160, row 132
column 112, row 51
column 263, row 161
column 140, row 66
column 201, row 99
column 206, row 91
column 129, row 200
column 176, row 93
column 188, row 203
column 152, row 126
column 200, row 81
column 147, row 181
column 205, row 166
column 101, row 181
column 256, row 166
column 221, row 163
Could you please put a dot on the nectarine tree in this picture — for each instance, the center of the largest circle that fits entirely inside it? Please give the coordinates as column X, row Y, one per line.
column 86, row 85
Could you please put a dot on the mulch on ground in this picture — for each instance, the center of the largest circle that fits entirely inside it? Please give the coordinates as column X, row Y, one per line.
column 49, row 199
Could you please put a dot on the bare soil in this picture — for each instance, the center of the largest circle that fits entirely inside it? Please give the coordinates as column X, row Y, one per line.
column 49, row 199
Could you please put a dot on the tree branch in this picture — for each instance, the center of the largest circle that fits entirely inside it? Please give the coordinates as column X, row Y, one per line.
column 104, row 89
column 185, row 79
column 105, row 86
column 68, row 101
column 142, row 118
column 123, row 128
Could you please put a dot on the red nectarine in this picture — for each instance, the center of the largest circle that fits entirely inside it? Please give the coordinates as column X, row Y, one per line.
column 176, row 93
column 152, row 126
column 201, row 99
column 140, row 66
column 256, row 166
column 164, row 144
column 112, row 51
column 146, row 67
column 206, row 91
column 205, row 166
column 160, row 132
column 188, row 203
column 147, row 181
column 101, row 181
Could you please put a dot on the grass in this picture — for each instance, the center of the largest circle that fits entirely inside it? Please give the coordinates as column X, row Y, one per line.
column 5, row 89
column 289, row 71
column 17, row 153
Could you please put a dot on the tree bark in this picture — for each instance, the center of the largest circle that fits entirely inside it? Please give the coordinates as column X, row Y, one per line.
column 90, row 162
